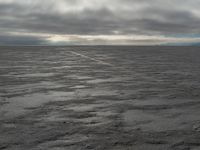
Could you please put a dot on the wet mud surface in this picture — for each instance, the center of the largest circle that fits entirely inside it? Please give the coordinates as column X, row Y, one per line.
column 99, row 98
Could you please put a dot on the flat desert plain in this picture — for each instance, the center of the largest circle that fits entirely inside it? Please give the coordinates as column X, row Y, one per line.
column 99, row 98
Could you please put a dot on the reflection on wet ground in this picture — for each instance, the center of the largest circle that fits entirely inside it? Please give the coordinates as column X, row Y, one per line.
column 114, row 98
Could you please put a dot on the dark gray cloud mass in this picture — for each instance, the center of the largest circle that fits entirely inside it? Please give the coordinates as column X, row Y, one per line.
column 99, row 21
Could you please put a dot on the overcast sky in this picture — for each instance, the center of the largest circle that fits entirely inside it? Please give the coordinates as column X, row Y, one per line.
column 66, row 22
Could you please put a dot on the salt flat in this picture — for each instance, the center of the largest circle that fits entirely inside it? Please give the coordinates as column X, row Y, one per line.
column 99, row 97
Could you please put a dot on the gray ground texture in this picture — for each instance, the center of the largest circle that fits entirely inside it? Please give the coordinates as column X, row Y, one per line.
column 99, row 98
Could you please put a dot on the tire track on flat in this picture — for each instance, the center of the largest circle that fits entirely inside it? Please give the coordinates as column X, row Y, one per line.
column 91, row 58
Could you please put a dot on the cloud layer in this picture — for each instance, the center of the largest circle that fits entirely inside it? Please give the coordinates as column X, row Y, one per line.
column 137, row 22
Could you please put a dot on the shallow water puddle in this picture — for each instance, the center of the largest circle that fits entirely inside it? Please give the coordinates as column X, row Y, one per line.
column 60, row 143
column 54, row 117
column 36, row 75
column 26, row 88
column 95, row 81
column 79, row 87
column 18, row 105
column 42, row 85
column 86, row 107
column 162, row 120
column 79, row 77
column 163, row 102
column 95, row 92
column 62, row 67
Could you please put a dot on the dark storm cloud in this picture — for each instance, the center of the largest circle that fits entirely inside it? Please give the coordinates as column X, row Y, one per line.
column 92, row 17
column 89, row 22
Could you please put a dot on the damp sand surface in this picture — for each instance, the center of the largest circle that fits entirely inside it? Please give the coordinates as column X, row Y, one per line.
column 99, row 98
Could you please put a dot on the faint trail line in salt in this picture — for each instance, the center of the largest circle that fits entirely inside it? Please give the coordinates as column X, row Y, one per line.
column 90, row 58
